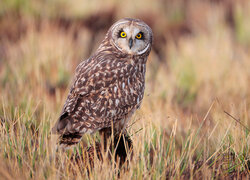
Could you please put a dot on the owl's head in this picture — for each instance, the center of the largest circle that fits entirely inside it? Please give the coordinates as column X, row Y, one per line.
column 131, row 36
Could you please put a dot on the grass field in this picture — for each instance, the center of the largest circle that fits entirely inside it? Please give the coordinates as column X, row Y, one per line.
column 194, row 122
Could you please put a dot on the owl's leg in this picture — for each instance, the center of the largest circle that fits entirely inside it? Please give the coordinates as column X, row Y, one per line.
column 105, row 135
column 124, row 147
column 110, row 136
column 120, row 143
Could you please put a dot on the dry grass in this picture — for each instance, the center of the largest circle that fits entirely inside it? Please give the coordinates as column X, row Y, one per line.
column 181, row 130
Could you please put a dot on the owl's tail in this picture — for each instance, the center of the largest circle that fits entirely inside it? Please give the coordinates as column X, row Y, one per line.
column 69, row 140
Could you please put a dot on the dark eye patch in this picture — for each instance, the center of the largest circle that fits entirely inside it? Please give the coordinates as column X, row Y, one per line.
column 119, row 33
column 142, row 36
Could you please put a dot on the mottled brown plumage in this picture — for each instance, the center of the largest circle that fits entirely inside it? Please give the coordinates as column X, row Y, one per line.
column 109, row 86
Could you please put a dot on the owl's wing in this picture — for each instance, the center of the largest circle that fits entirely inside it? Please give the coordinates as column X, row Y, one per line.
column 91, row 77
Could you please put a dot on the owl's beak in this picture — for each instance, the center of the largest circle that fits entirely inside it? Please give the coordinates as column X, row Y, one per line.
column 130, row 43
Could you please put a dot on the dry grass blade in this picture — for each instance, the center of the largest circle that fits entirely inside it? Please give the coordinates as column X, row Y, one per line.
column 237, row 120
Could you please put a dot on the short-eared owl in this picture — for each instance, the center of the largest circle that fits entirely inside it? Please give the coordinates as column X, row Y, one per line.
column 109, row 86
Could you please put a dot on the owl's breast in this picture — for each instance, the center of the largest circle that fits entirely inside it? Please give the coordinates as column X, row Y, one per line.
column 131, row 87
column 121, row 98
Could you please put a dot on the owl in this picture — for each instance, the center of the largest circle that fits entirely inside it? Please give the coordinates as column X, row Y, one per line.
column 109, row 86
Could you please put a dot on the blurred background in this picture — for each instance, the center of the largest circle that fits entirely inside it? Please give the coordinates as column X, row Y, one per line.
column 199, row 64
column 200, row 51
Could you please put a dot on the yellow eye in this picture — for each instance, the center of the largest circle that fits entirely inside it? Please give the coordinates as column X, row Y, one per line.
column 139, row 36
column 123, row 34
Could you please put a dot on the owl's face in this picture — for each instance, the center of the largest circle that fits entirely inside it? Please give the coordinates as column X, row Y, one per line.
column 131, row 36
